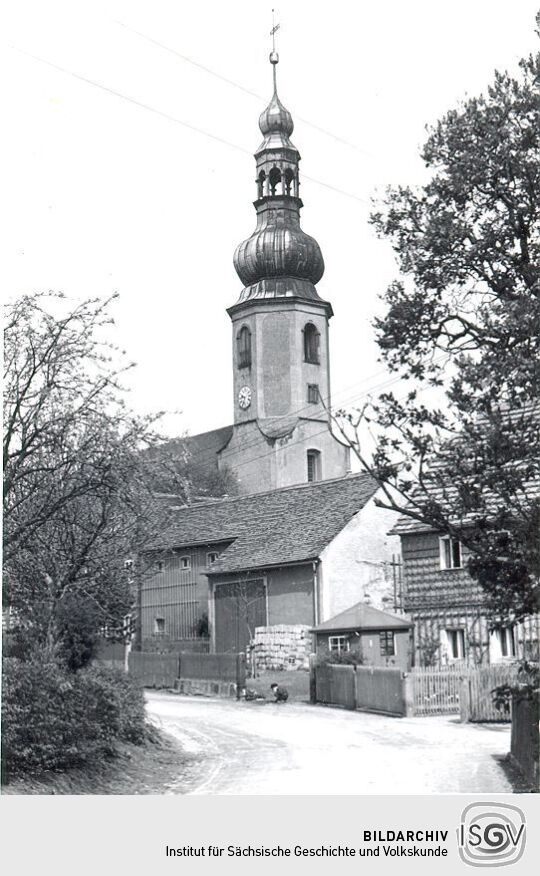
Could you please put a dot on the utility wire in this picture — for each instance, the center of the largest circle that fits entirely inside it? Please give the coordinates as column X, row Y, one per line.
column 237, row 85
column 135, row 102
column 207, row 456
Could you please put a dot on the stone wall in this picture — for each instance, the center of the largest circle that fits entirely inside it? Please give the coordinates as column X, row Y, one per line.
column 282, row 647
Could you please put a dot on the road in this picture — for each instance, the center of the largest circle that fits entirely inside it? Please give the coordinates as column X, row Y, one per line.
column 297, row 748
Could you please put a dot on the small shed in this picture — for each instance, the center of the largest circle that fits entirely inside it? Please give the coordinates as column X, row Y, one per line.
column 378, row 637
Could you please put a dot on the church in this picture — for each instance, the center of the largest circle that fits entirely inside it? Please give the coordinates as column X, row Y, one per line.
column 304, row 538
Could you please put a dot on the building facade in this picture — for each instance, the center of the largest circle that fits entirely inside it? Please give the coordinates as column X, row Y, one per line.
column 448, row 608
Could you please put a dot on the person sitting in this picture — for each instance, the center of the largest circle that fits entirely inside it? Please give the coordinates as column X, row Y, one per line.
column 281, row 694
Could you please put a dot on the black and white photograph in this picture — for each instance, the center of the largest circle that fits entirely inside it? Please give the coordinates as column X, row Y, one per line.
column 271, row 410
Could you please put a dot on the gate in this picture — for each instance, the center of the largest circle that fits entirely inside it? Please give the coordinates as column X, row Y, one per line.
column 239, row 608
column 436, row 691
column 477, row 692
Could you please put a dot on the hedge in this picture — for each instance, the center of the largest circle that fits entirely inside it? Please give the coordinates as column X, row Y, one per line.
column 53, row 719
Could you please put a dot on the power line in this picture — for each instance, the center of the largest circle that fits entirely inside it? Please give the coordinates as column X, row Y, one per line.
column 236, row 85
column 209, row 455
column 138, row 103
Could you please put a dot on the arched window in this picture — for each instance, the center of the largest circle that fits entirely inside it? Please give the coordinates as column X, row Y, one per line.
column 313, row 466
column 243, row 341
column 260, row 183
column 274, row 179
column 289, row 179
column 312, row 340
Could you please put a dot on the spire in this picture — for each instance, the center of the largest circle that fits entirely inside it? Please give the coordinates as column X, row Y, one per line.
column 279, row 259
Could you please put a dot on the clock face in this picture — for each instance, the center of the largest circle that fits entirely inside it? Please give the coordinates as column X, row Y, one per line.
column 244, row 397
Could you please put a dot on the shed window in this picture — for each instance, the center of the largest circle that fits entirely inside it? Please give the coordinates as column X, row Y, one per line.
column 211, row 558
column 338, row 643
column 313, row 466
column 387, row 643
column 312, row 340
column 185, row 563
column 450, row 553
column 159, row 626
column 243, row 341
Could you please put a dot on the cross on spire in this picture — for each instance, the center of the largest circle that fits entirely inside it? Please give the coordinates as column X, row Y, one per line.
column 275, row 27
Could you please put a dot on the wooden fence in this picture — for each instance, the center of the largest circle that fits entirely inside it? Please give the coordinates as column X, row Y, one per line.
column 154, row 670
column 365, row 688
column 170, row 670
column 458, row 690
column 209, row 667
column 476, row 693
column 436, row 691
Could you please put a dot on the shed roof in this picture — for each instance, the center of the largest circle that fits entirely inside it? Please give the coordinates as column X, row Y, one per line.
column 281, row 527
column 363, row 617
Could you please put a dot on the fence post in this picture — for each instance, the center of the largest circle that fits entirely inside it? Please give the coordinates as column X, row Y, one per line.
column 464, row 699
column 240, row 674
column 312, row 678
column 408, row 695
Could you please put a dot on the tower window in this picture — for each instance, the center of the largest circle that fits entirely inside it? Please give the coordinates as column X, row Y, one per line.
column 312, row 340
column 313, row 393
column 260, row 183
column 313, row 466
column 243, row 341
column 289, row 180
column 274, row 179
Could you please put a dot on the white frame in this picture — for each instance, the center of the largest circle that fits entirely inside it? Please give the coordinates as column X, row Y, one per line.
column 339, row 649
column 444, row 542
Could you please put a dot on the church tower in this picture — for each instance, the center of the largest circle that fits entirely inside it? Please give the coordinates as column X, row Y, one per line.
column 281, row 434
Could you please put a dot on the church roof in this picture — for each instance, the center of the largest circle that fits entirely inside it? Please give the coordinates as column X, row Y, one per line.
column 363, row 617
column 205, row 446
column 282, row 527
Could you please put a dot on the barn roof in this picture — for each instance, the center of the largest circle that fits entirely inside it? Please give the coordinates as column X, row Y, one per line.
column 282, row 527
column 363, row 617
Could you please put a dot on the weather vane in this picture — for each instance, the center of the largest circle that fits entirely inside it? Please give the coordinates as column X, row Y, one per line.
column 275, row 27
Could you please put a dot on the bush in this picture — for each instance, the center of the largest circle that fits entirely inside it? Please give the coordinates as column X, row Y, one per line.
column 53, row 719
column 346, row 658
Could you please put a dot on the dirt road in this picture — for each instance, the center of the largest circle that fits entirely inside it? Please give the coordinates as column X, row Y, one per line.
column 297, row 748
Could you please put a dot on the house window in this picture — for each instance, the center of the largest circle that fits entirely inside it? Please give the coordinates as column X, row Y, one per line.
column 313, row 466
column 313, row 393
column 312, row 340
column 160, row 565
column 128, row 564
column 185, row 563
column 450, row 553
column 338, row 643
column 159, row 626
column 387, row 643
column 456, row 644
column 243, row 341
column 211, row 558
column 502, row 644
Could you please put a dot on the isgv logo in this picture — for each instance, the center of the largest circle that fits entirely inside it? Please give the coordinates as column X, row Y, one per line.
column 491, row 834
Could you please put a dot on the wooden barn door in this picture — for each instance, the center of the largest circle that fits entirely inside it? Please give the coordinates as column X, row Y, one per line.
column 239, row 608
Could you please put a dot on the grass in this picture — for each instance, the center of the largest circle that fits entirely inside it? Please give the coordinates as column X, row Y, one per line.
column 152, row 768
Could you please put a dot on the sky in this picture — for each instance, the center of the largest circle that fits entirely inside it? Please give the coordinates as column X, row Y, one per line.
column 128, row 167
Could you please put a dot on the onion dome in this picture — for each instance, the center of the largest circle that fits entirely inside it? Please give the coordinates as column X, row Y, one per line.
column 279, row 258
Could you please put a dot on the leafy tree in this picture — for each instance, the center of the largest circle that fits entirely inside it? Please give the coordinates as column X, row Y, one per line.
column 457, row 447
column 77, row 488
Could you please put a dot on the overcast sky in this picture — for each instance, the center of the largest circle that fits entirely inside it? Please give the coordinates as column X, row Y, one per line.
column 106, row 194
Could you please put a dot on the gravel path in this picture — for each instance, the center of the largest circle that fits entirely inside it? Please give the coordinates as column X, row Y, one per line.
column 297, row 748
